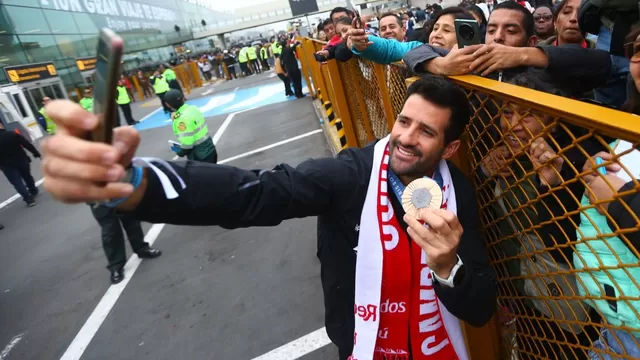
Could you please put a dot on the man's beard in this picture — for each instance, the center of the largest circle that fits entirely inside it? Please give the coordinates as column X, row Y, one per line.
column 423, row 165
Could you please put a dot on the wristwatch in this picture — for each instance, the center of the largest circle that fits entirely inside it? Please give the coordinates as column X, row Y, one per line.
column 455, row 277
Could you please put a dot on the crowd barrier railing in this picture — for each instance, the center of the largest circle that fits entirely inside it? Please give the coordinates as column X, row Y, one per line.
column 566, row 267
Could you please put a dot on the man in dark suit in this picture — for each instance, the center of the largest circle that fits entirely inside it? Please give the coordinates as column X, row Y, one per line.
column 15, row 164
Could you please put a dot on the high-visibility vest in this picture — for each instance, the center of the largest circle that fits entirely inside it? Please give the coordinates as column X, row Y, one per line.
column 253, row 53
column 264, row 54
column 169, row 74
column 189, row 126
column 51, row 126
column 160, row 86
column 242, row 55
column 123, row 96
column 276, row 48
column 87, row 104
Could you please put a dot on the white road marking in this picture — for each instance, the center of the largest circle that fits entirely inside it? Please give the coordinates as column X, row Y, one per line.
column 7, row 349
column 236, row 89
column 100, row 313
column 14, row 198
column 150, row 114
column 272, row 75
column 264, row 92
column 217, row 101
column 298, row 347
column 279, row 143
column 223, row 127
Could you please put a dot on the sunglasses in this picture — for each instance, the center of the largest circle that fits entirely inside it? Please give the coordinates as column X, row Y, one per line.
column 632, row 50
column 542, row 17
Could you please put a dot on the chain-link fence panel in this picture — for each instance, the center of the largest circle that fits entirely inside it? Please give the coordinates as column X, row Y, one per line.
column 397, row 76
column 567, row 267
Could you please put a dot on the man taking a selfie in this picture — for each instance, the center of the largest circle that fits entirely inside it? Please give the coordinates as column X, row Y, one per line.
column 392, row 286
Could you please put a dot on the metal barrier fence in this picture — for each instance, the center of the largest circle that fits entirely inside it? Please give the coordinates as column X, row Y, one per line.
column 561, row 240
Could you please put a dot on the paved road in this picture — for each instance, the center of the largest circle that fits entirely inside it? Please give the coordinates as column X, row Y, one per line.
column 214, row 294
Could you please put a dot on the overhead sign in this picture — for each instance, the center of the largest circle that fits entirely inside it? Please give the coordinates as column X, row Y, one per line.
column 86, row 63
column 30, row 72
column 301, row 7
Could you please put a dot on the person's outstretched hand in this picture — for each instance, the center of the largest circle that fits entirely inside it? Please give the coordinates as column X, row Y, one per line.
column 76, row 170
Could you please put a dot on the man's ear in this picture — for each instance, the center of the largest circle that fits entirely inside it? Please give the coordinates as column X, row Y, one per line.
column 533, row 41
column 451, row 149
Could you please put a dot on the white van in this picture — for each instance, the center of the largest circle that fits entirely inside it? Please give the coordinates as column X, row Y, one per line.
column 15, row 115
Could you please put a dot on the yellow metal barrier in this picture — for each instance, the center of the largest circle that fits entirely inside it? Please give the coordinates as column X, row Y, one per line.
column 567, row 270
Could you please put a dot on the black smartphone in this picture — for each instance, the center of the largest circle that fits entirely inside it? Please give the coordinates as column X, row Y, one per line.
column 109, row 57
column 351, row 5
column 467, row 32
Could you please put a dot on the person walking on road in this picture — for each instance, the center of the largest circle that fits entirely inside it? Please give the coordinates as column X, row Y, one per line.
column 124, row 102
column 283, row 76
column 290, row 63
column 160, row 87
column 15, row 164
column 111, row 224
column 190, row 127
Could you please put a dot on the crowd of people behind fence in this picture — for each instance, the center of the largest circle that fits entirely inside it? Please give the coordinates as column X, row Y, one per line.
column 585, row 50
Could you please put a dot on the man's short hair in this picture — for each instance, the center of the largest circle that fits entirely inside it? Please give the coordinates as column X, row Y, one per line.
column 398, row 18
column 442, row 92
column 339, row 9
column 326, row 22
column 533, row 82
column 527, row 18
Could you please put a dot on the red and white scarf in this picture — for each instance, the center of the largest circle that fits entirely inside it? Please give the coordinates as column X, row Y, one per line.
column 397, row 312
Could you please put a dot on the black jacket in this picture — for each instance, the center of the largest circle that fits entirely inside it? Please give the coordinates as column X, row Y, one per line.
column 289, row 59
column 334, row 190
column 571, row 68
column 12, row 148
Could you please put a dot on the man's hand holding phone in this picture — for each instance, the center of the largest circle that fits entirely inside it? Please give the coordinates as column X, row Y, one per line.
column 75, row 169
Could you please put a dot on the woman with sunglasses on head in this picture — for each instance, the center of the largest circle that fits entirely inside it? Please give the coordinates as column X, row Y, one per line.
column 613, row 251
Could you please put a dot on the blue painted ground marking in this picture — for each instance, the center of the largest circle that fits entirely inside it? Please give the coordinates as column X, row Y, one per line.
column 226, row 103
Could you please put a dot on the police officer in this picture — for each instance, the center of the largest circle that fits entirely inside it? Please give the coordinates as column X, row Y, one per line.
column 50, row 126
column 190, row 128
column 171, row 77
column 243, row 59
column 160, row 87
column 252, row 53
column 276, row 48
column 264, row 57
column 124, row 102
column 87, row 100
column 111, row 224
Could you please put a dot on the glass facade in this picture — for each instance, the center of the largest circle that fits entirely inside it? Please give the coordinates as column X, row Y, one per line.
column 62, row 30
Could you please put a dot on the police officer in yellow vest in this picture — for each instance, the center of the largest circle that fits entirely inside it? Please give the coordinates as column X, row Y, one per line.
column 160, row 87
column 124, row 102
column 170, row 76
column 264, row 57
column 87, row 100
column 252, row 53
column 243, row 59
column 50, row 126
column 276, row 48
column 190, row 128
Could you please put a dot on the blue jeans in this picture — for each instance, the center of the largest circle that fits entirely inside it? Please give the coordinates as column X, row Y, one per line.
column 617, row 341
column 614, row 92
column 19, row 175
